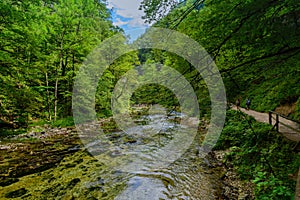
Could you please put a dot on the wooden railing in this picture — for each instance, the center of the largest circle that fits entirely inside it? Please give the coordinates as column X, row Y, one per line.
column 277, row 121
column 276, row 126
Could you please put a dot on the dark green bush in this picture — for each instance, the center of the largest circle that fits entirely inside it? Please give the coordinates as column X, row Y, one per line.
column 65, row 122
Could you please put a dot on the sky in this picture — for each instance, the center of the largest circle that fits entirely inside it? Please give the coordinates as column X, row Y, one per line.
column 126, row 15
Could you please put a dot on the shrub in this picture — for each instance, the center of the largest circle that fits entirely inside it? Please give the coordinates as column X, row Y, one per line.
column 260, row 155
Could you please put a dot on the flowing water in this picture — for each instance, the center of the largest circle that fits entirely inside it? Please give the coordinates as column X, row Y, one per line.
column 155, row 159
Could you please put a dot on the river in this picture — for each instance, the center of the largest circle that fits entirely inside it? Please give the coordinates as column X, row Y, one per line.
column 136, row 164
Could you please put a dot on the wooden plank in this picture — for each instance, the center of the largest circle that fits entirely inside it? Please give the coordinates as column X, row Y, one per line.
column 288, row 126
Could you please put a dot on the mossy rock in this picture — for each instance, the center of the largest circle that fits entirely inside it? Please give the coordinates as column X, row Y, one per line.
column 129, row 139
column 7, row 181
column 73, row 182
column 70, row 165
column 16, row 193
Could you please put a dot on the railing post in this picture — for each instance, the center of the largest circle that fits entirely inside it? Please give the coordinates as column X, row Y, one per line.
column 277, row 122
column 270, row 117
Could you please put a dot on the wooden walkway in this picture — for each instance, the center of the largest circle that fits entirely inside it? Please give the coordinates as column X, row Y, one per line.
column 288, row 128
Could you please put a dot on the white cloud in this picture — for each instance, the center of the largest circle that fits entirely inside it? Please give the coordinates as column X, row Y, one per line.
column 137, row 23
column 124, row 4
column 128, row 9
column 119, row 22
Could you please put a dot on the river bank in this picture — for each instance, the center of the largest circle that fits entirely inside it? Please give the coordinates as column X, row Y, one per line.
column 232, row 186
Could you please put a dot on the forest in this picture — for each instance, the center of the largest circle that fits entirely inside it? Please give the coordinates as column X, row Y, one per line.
column 255, row 45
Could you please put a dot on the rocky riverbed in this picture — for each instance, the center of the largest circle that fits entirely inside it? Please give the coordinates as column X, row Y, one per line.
column 51, row 163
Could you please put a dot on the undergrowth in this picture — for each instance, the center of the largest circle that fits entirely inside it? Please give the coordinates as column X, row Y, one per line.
column 260, row 155
column 64, row 122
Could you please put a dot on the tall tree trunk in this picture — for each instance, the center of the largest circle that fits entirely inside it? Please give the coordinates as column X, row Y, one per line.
column 48, row 96
column 61, row 66
column 56, row 98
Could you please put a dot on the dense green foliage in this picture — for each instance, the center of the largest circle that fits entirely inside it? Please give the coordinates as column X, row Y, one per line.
column 43, row 43
column 260, row 155
column 255, row 45
column 158, row 95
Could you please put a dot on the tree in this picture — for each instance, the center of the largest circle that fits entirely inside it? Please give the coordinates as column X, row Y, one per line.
column 42, row 46
column 252, row 43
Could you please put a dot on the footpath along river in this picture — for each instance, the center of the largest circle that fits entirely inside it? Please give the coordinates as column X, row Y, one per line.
column 53, row 164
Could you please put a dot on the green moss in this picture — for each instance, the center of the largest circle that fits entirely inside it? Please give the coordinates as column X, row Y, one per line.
column 77, row 176
column 16, row 193
column 7, row 181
